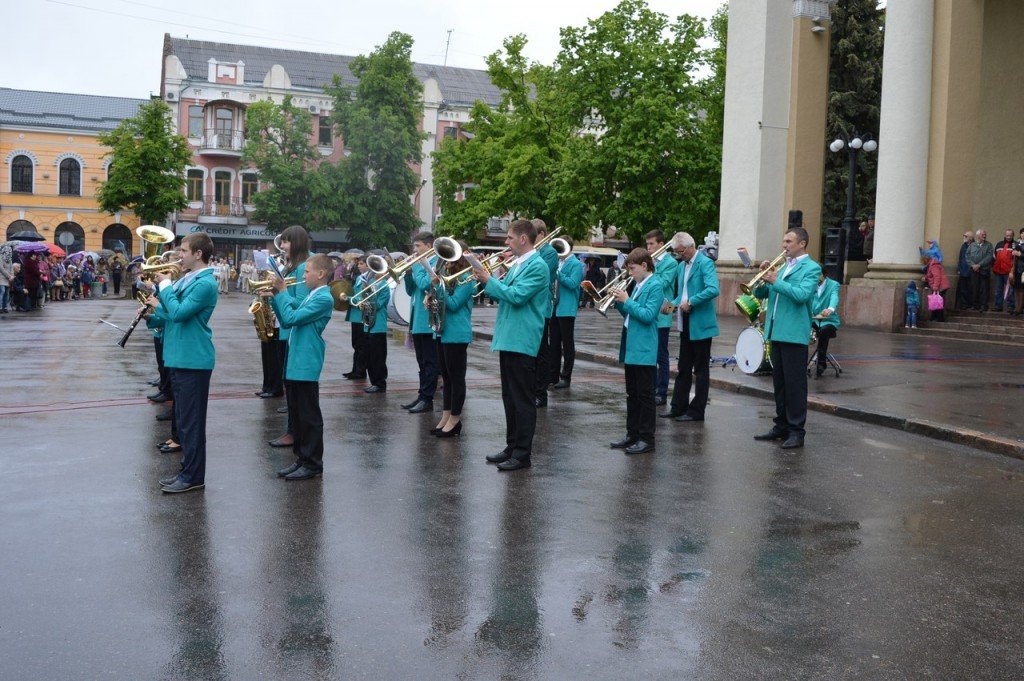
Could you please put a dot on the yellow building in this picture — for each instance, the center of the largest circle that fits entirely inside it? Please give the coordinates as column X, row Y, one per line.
column 53, row 165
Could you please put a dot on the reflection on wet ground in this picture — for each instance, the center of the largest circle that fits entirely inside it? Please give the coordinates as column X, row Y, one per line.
column 869, row 554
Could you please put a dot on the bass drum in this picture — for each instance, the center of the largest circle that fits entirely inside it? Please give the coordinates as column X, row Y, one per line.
column 753, row 352
column 400, row 306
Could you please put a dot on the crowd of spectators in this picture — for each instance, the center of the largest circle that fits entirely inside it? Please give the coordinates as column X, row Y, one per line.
column 29, row 281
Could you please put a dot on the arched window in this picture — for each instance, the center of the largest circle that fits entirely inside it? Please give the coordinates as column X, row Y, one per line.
column 19, row 226
column 117, row 237
column 70, row 178
column 21, row 174
column 76, row 231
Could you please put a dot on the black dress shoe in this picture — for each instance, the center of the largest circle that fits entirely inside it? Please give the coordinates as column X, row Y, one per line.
column 514, row 464
column 348, row 375
column 671, row 414
column 302, row 473
column 409, row 405
column 501, row 457
column 179, row 486
column 540, row 402
column 421, row 407
column 793, row 442
column 159, row 398
column 640, row 447
column 355, row 377
column 624, row 442
column 169, row 480
column 289, row 470
column 269, row 395
column 660, row 401
column 282, row 410
column 374, row 389
column 278, row 442
column 775, row 433
column 454, row 432
column 259, row 393
column 561, row 384
column 165, row 449
column 155, row 383
column 685, row 418
column 166, row 416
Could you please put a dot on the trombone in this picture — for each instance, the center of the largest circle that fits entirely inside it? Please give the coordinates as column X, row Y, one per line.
column 496, row 260
column 444, row 247
column 605, row 298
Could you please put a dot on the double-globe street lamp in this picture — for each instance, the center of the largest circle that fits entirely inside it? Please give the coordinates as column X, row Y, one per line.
column 836, row 240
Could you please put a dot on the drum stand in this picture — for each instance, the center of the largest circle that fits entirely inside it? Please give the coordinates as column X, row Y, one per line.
column 830, row 362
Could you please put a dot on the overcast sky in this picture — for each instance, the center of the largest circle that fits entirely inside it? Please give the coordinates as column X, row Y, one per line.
column 112, row 47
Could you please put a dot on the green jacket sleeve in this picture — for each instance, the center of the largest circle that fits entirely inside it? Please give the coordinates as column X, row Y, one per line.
column 198, row 297
column 523, row 289
column 292, row 313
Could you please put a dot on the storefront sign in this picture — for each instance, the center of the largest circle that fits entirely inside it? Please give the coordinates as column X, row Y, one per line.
column 254, row 233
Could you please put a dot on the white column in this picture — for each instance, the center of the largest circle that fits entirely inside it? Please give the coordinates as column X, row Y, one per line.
column 903, row 136
column 757, row 94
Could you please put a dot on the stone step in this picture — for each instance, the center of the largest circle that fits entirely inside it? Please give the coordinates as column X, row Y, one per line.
column 992, row 327
column 966, row 336
column 978, row 317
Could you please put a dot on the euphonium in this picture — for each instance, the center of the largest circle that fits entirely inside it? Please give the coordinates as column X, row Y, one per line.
column 160, row 266
column 774, row 265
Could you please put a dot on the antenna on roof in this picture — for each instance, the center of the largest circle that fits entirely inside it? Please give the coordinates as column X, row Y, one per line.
column 446, row 44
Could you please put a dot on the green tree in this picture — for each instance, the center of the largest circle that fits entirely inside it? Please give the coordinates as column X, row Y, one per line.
column 379, row 120
column 278, row 143
column 515, row 150
column 147, row 165
column 643, row 161
column 854, row 101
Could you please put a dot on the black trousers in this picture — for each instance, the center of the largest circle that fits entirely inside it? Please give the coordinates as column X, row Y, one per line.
column 192, row 393
column 640, row 407
column 964, row 296
column 117, row 283
column 165, row 376
column 563, row 348
column 307, row 423
column 377, row 358
column 518, row 383
column 541, row 370
column 452, row 358
column 981, row 288
column 272, row 370
column 426, row 358
column 664, row 372
column 694, row 367
column 282, row 357
column 358, row 349
column 789, row 376
column 825, row 334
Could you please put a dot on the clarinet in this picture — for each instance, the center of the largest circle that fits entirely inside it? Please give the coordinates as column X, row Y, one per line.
column 135, row 322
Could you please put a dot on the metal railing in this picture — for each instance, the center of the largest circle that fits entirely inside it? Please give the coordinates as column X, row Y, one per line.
column 224, row 141
column 231, row 207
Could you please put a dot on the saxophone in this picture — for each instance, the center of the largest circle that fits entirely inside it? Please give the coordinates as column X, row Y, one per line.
column 263, row 319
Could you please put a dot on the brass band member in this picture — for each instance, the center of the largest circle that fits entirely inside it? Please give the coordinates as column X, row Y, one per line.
column 665, row 268
column 568, row 277
column 548, row 254
column 826, row 318
column 355, row 318
column 524, row 299
column 417, row 283
column 295, row 245
column 453, row 332
column 375, row 328
column 790, row 293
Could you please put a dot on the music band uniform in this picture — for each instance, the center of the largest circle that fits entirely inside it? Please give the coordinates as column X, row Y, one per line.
column 666, row 268
column 354, row 317
column 417, row 283
column 549, row 256
column 826, row 298
column 524, row 300
column 298, row 291
column 638, row 350
column 453, row 342
column 697, row 284
column 562, row 324
column 377, row 342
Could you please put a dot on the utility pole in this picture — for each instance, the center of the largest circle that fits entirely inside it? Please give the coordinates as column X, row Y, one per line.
column 446, row 44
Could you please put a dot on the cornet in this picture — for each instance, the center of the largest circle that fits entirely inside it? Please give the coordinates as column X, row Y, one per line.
column 773, row 266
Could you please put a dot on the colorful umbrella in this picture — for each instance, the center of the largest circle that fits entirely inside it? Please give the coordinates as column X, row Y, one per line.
column 55, row 250
column 34, row 247
column 28, row 235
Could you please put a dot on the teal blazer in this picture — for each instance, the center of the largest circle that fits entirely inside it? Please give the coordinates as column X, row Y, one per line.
column 569, row 279
column 667, row 270
column 307, row 320
column 524, row 298
column 639, row 343
column 828, row 298
column 458, row 312
column 380, row 324
column 790, row 322
column 417, row 282
column 298, row 292
column 702, row 290
column 354, row 314
column 156, row 321
column 548, row 254
column 188, row 340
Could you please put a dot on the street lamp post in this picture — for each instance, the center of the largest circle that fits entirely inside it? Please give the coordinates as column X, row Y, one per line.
column 837, row 239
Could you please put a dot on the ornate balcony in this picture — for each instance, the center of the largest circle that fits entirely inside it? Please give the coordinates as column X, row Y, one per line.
column 230, row 211
column 221, row 143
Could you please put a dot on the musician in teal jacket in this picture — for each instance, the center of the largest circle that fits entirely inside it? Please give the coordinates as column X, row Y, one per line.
column 295, row 247
column 825, row 319
column 523, row 299
column 375, row 327
column 187, row 306
column 697, row 323
column 790, row 292
column 666, row 269
column 568, row 277
column 548, row 254
column 417, row 282
column 355, row 319
column 452, row 343
column 155, row 321
column 638, row 350
column 307, row 320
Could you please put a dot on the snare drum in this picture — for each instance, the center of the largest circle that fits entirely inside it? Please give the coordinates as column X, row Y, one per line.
column 753, row 352
column 400, row 306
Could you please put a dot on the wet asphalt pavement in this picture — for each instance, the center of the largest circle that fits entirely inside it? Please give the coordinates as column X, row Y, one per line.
column 872, row 553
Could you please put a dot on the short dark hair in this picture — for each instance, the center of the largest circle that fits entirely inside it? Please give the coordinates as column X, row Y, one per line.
column 424, row 237
column 520, row 227
column 657, row 235
column 199, row 241
column 319, row 261
column 640, row 256
column 299, row 244
column 540, row 226
column 801, row 234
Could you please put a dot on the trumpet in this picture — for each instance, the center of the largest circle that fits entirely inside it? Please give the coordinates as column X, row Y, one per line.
column 255, row 286
column 605, row 298
column 773, row 266
column 445, row 248
column 496, row 260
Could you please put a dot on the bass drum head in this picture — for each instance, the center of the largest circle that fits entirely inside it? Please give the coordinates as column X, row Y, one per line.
column 400, row 306
column 752, row 352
